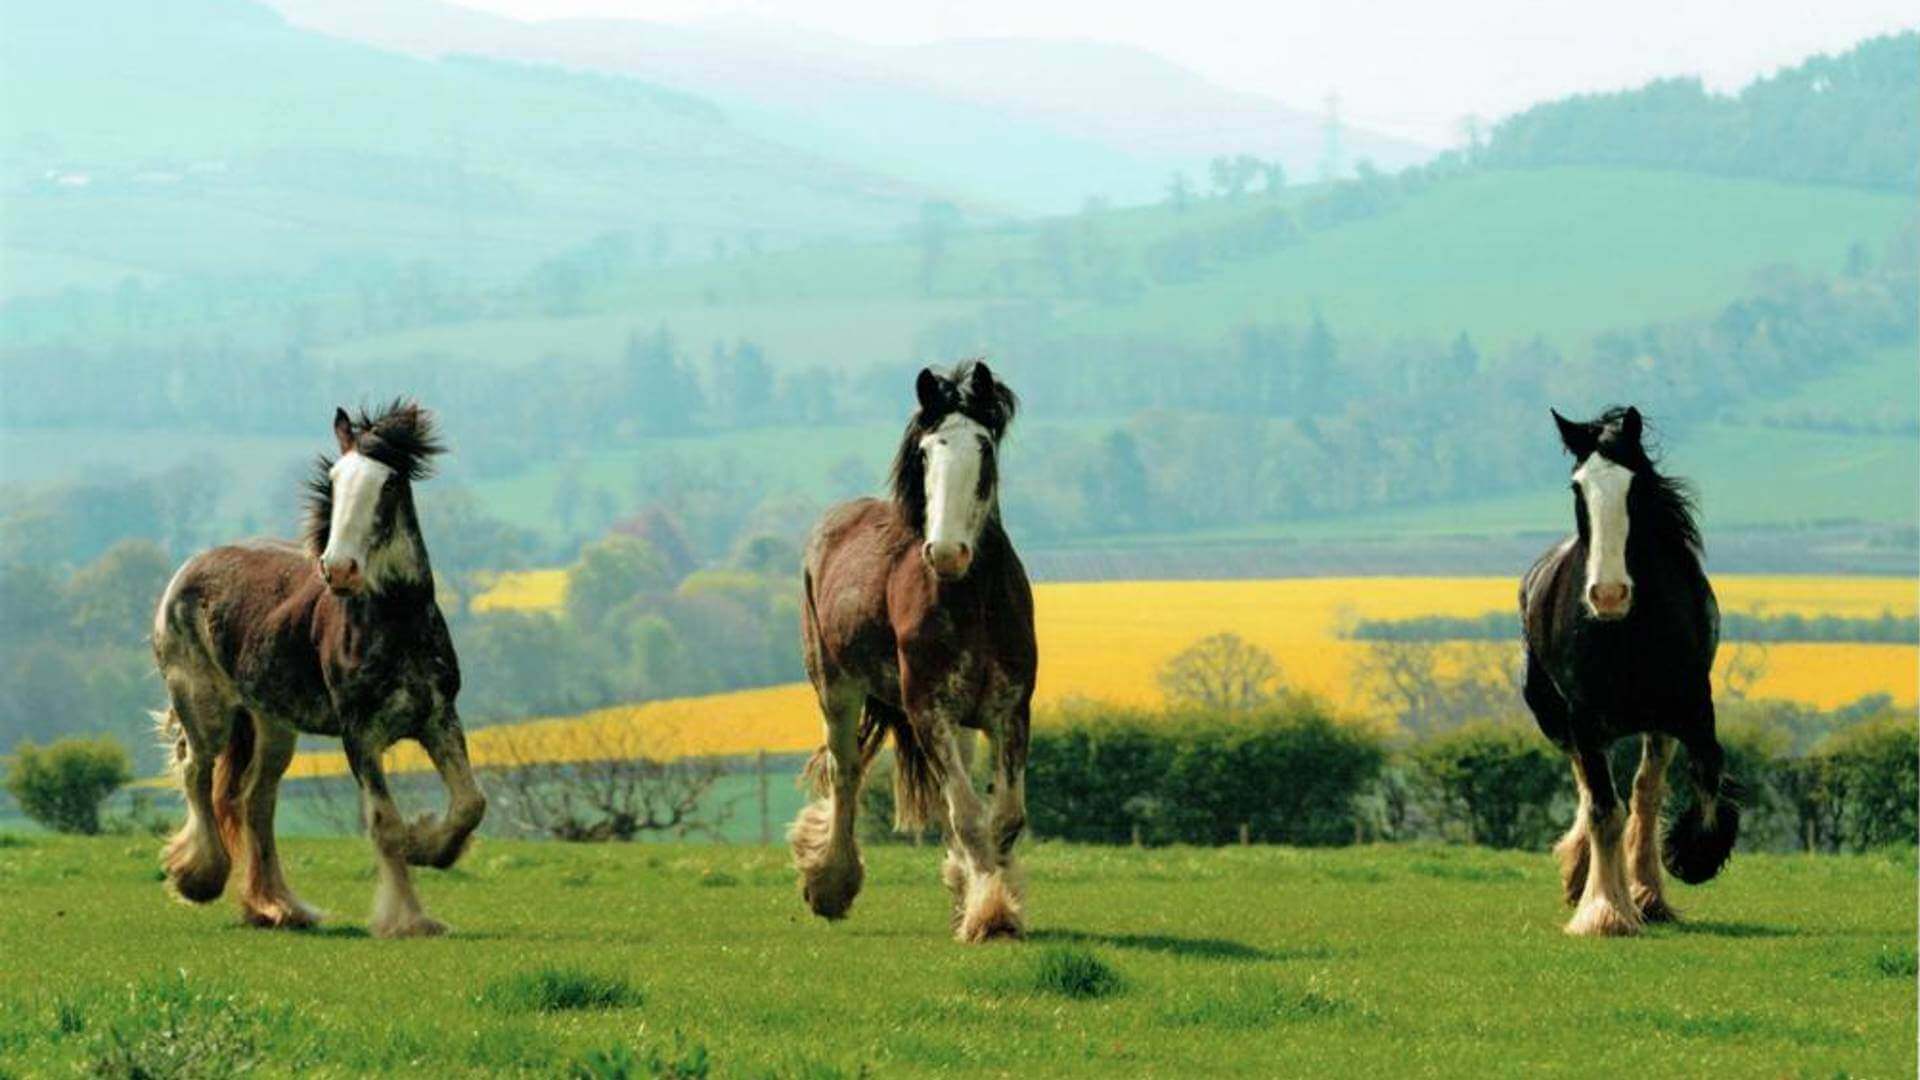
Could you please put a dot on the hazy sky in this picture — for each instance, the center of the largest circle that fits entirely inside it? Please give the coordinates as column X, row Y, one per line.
column 1412, row 67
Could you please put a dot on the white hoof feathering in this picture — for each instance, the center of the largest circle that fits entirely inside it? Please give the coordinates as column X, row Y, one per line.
column 992, row 909
column 1596, row 917
column 830, row 877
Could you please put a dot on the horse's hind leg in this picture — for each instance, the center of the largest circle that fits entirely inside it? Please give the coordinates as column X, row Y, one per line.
column 265, row 899
column 825, row 851
column 1643, row 829
column 1605, row 909
column 1550, row 712
column 196, row 859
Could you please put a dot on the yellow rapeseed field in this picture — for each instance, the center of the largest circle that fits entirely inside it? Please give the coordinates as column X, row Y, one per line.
column 1107, row 641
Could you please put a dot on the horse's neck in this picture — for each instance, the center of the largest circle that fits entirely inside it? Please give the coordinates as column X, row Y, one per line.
column 403, row 566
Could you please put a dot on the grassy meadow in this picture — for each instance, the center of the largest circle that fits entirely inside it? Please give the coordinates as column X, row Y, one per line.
column 626, row 960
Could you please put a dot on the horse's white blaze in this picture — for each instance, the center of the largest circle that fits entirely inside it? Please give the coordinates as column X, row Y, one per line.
column 357, row 481
column 1604, row 485
column 955, row 454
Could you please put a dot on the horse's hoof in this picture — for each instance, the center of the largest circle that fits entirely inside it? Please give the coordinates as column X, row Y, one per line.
column 1654, row 909
column 1597, row 918
column 198, row 884
column 992, row 913
column 282, row 915
column 417, row 926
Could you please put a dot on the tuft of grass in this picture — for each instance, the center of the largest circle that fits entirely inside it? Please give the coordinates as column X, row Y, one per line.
column 717, row 879
column 685, row 1061
column 1070, row 971
column 1262, row 1005
column 14, row 840
column 559, row 990
column 1461, row 871
column 1897, row 962
column 172, row 1027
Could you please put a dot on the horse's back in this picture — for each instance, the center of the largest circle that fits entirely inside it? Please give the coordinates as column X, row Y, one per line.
column 224, row 594
column 849, row 557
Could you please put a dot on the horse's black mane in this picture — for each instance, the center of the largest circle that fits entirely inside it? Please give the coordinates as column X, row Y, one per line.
column 401, row 436
column 970, row 390
column 1663, row 505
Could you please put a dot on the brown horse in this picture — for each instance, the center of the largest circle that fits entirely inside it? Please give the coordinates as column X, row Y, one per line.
column 918, row 621
column 260, row 641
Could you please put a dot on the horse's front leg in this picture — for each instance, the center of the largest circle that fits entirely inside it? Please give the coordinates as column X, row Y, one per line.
column 991, row 906
column 1643, row 829
column 1008, row 740
column 1605, row 909
column 439, row 842
column 396, row 907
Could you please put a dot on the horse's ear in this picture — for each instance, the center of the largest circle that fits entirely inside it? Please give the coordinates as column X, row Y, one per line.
column 343, row 430
column 1630, row 426
column 1579, row 439
column 980, row 383
column 931, row 389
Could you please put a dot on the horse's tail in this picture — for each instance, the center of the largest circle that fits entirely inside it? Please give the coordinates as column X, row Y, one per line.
column 916, row 783
column 228, row 767
column 1700, row 840
column 916, row 774
column 172, row 738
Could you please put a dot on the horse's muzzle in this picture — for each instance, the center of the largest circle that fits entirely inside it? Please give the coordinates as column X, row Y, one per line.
column 947, row 559
column 343, row 578
column 1610, row 600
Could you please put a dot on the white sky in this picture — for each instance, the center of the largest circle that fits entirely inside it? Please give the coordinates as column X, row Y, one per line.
column 1410, row 67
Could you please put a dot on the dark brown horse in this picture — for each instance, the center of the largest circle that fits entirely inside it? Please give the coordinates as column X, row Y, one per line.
column 918, row 621
column 1621, row 628
column 261, row 641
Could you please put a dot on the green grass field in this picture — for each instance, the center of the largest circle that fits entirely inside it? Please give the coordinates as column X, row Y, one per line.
column 684, row 961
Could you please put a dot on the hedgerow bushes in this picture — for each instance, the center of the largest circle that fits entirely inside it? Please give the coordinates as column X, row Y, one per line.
column 1290, row 772
column 1285, row 772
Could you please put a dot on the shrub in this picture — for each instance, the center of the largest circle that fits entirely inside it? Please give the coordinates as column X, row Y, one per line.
column 1499, row 781
column 1870, row 782
column 62, row 785
column 1096, row 775
column 1287, row 772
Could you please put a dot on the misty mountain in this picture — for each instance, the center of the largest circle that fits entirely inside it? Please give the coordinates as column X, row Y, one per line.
column 211, row 136
column 1020, row 125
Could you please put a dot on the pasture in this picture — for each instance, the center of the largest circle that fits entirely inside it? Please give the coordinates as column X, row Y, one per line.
column 653, row 960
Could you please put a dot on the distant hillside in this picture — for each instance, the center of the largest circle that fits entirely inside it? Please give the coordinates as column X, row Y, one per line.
column 1847, row 119
column 1023, row 126
column 210, row 136
column 1502, row 256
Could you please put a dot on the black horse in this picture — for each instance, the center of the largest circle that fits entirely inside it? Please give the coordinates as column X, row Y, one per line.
column 1621, row 627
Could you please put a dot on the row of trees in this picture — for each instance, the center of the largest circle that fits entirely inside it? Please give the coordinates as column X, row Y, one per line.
column 1834, row 119
column 1734, row 626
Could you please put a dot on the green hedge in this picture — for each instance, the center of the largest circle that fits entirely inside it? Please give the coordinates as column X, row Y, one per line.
column 1292, row 774
column 1285, row 773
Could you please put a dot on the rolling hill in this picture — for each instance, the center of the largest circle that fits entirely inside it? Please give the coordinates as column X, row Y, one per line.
column 1504, row 256
column 1017, row 125
column 211, row 137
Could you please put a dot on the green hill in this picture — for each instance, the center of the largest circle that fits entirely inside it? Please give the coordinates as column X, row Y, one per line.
column 207, row 136
column 1504, row 256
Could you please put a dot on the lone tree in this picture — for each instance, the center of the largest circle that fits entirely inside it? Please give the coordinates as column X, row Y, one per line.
column 604, row 783
column 1221, row 672
column 62, row 786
